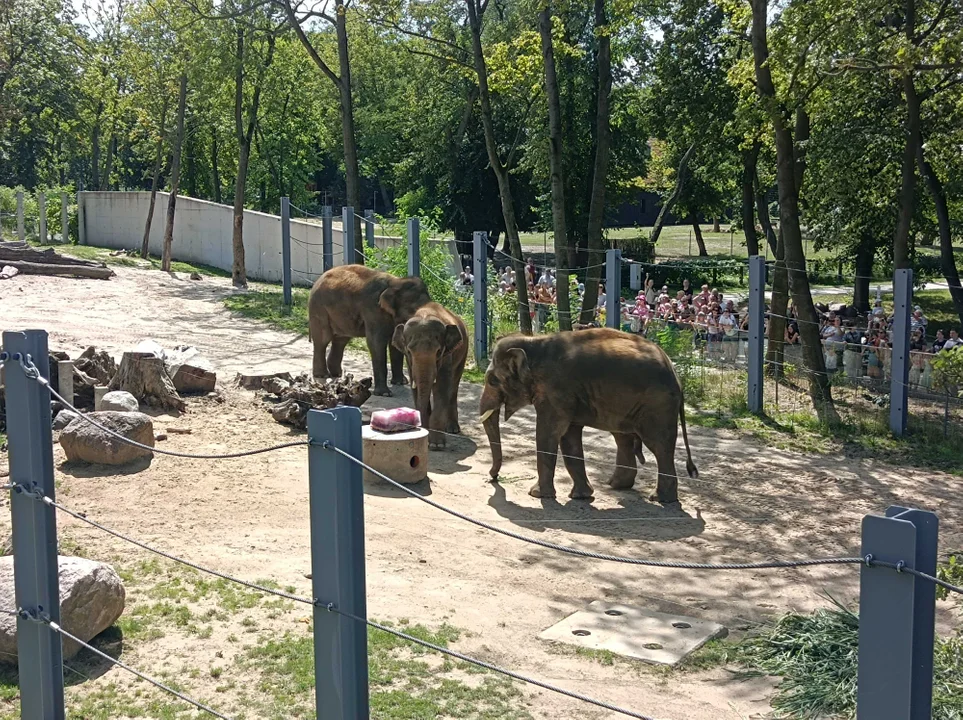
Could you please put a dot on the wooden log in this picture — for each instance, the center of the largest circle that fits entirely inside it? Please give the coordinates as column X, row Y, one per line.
column 81, row 271
column 21, row 252
column 144, row 376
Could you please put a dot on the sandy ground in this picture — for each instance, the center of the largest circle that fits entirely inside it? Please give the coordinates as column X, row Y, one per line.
column 250, row 516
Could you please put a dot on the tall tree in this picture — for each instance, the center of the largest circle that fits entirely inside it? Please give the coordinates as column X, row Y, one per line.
column 175, row 172
column 557, row 163
column 155, row 178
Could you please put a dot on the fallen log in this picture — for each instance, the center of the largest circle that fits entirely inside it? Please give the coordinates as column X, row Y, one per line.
column 81, row 271
column 21, row 252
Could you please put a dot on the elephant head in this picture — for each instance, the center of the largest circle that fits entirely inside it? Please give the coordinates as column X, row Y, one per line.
column 425, row 342
column 508, row 382
column 403, row 297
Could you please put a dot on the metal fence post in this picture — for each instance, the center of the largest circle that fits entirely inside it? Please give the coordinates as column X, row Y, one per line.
column 327, row 240
column 414, row 247
column 81, row 220
column 21, row 230
column 64, row 219
column 42, row 219
column 286, row 248
column 347, row 235
column 369, row 228
column 635, row 276
column 34, row 526
column 480, row 244
column 902, row 306
column 757, row 301
column 897, row 615
column 613, row 288
column 337, row 564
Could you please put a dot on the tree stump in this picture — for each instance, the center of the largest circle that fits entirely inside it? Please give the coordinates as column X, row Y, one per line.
column 144, row 376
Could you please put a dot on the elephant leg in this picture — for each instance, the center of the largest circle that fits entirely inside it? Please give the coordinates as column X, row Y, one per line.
column 439, row 413
column 574, row 458
column 378, row 347
column 451, row 400
column 321, row 337
column 336, row 355
column 624, row 476
column 662, row 446
column 549, row 429
column 397, row 366
column 637, row 447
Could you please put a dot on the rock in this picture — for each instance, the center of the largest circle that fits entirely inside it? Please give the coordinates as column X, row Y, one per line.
column 160, row 436
column 120, row 401
column 83, row 441
column 8, row 271
column 91, row 599
column 195, row 276
column 189, row 372
column 256, row 382
column 275, row 385
column 63, row 419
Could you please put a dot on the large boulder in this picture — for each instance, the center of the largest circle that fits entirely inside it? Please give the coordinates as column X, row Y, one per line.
column 63, row 419
column 84, row 441
column 91, row 599
column 120, row 401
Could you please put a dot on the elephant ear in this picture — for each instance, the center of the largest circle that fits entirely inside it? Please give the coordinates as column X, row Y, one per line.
column 398, row 338
column 452, row 338
column 516, row 361
column 387, row 300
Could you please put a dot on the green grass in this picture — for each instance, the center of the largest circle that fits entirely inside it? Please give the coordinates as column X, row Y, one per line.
column 267, row 305
column 407, row 682
column 816, row 658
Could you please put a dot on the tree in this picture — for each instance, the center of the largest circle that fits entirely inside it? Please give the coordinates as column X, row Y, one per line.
column 176, row 172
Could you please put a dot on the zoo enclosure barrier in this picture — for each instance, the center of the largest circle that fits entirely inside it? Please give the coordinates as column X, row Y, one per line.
column 897, row 563
column 44, row 225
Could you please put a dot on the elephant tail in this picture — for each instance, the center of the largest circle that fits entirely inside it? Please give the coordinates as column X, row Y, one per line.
column 689, row 465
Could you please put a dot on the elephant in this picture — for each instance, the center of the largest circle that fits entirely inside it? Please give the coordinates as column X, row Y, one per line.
column 600, row 378
column 435, row 342
column 351, row 301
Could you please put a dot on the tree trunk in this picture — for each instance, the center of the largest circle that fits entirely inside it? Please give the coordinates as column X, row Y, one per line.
column 352, row 175
column 716, row 227
column 215, row 173
column 600, row 170
column 556, row 161
column 109, row 162
column 238, row 268
column 676, row 192
column 501, row 172
column 175, row 174
column 947, row 258
column 762, row 209
column 819, row 386
column 95, row 155
column 749, row 159
column 700, row 241
column 155, row 182
column 865, row 252
column 778, row 311
column 911, row 133
column 144, row 376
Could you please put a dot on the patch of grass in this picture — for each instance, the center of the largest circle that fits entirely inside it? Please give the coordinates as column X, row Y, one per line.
column 952, row 572
column 267, row 305
column 816, row 656
column 407, row 681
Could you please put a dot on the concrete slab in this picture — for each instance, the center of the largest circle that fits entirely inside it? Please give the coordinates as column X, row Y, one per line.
column 634, row 632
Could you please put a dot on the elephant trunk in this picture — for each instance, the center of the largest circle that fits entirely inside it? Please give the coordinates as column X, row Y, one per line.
column 490, row 405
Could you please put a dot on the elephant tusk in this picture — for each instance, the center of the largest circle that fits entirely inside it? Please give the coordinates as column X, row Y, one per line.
column 487, row 414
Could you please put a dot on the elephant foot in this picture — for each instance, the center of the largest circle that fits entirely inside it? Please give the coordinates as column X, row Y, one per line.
column 453, row 429
column 665, row 499
column 622, row 479
column 383, row 391
column 436, row 444
column 583, row 492
column 537, row 491
column 399, row 380
column 320, row 376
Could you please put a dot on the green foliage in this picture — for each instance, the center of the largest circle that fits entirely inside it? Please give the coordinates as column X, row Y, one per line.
column 952, row 572
column 948, row 370
column 816, row 657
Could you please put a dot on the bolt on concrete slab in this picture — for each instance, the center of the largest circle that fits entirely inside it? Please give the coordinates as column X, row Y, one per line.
column 634, row 632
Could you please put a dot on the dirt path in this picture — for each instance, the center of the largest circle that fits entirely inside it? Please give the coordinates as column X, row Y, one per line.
column 250, row 516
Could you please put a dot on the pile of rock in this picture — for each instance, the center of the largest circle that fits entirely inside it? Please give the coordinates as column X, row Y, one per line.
column 288, row 399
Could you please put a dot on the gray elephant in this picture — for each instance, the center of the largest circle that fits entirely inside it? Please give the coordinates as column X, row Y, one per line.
column 598, row 378
column 435, row 342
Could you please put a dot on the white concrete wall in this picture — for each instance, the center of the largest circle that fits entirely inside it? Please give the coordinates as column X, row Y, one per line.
column 203, row 234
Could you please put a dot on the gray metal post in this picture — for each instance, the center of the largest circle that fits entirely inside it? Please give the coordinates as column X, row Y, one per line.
column 902, row 305
column 42, row 219
column 613, row 288
column 414, row 247
column 635, row 276
column 347, row 236
column 327, row 242
column 34, row 529
column 64, row 219
column 369, row 228
column 81, row 220
column 286, row 248
column 480, row 244
column 897, row 614
column 757, row 300
column 21, row 230
column 65, row 380
column 337, row 564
